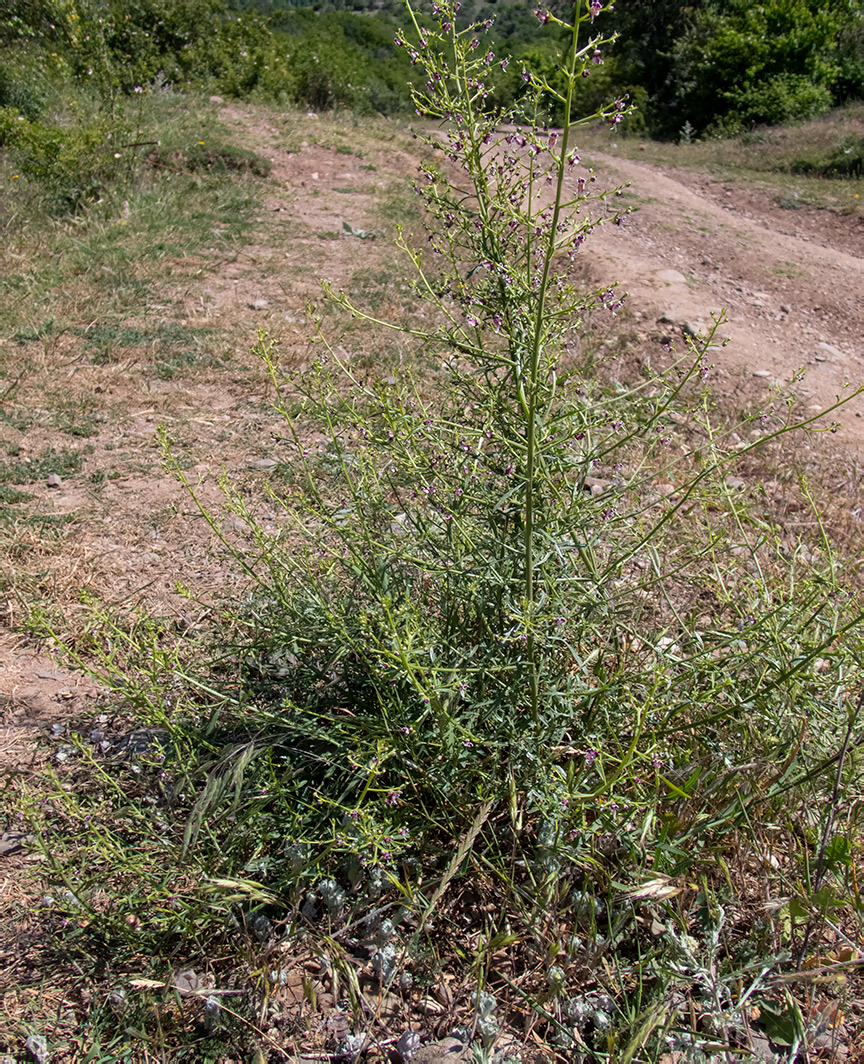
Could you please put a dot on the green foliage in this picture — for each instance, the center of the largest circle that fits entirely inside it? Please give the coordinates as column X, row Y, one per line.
column 740, row 65
column 71, row 166
column 845, row 159
column 212, row 158
column 23, row 85
column 511, row 635
column 29, row 471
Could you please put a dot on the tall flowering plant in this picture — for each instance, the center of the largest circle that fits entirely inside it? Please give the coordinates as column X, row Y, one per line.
column 492, row 533
column 507, row 208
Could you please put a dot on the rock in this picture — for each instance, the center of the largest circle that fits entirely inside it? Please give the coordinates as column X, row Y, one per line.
column 262, row 463
column 54, row 481
column 448, row 1051
column 670, row 276
column 216, row 99
column 315, row 176
column 784, row 309
column 237, row 524
column 37, row 1046
column 761, row 373
column 141, row 742
column 693, row 328
column 595, row 485
column 666, row 318
column 258, row 304
column 736, row 482
column 11, row 842
column 188, row 980
column 407, row 1046
column 827, row 352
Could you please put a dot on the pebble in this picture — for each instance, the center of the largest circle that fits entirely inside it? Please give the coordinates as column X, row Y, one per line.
column 37, row 1046
column 216, row 99
column 670, row 276
column 448, row 1051
column 258, row 304
column 407, row 1046
column 11, row 842
column 761, row 373
column 54, row 481
column 262, row 463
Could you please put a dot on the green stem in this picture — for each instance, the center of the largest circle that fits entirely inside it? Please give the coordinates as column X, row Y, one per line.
column 533, row 384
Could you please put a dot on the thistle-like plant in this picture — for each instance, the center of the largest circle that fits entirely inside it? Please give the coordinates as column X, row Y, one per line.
column 485, row 553
column 464, row 515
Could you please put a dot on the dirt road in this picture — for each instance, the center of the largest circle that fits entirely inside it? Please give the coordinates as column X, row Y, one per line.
column 789, row 280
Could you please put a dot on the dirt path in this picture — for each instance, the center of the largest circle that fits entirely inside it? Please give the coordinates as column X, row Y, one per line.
column 789, row 281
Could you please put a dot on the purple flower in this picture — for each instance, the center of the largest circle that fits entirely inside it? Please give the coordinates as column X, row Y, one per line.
column 594, row 9
column 542, row 15
column 393, row 798
column 526, row 77
column 505, row 63
column 591, row 756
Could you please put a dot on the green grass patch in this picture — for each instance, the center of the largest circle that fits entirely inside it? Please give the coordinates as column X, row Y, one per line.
column 28, row 471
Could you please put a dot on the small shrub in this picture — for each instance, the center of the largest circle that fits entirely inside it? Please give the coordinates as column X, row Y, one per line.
column 844, row 160
column 71, row 166
column 213, row 159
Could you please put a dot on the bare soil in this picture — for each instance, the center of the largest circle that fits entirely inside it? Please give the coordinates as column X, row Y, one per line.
column 788, row 281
